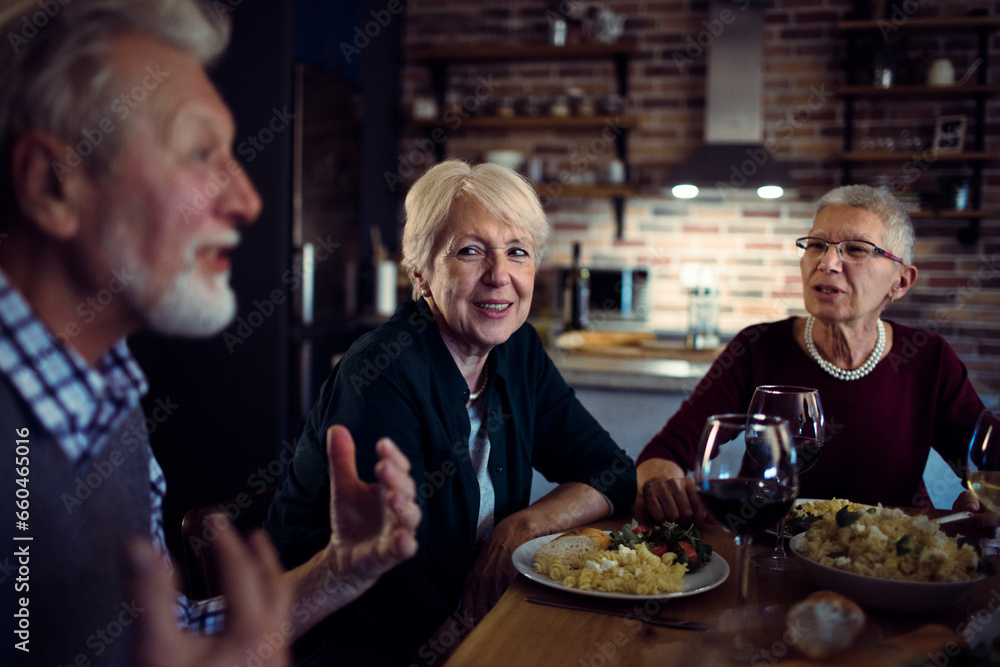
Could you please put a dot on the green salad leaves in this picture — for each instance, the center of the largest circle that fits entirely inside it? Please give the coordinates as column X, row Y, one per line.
column 685, row 542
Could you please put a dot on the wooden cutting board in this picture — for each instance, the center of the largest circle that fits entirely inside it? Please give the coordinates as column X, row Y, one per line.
column 633, row 345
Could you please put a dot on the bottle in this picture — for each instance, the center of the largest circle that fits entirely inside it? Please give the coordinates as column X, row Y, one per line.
column 576, row 295
column 557, row 31
column 703, row 306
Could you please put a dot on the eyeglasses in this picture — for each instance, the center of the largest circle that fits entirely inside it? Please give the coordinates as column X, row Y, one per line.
column 855, row 252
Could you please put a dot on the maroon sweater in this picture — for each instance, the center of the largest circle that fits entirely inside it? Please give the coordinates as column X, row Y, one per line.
column 880, row 428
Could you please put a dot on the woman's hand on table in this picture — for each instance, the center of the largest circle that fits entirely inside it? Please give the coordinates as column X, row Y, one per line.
column 567, row 506
column 494, row 567
column 665, row 494
column 983, row 526
column 968, row 502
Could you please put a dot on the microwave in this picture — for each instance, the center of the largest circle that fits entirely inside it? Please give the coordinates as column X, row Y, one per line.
column 616, row 294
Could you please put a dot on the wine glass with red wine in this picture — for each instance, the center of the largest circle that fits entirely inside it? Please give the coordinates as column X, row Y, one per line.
column 747, row 478
column 801, row 408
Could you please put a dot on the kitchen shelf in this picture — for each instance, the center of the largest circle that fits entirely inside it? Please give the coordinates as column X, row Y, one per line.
column 523, row 52
column 952, row 214
column 917, row 92
column 439, row 60
column 617, row 194
column 927, row 155
column 975, row 94
column 531, row 122
column 918, row 24
column 586, row 191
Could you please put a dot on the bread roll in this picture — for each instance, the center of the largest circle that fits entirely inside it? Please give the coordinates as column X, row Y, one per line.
column 573, row 547
column 824, row 624
column 600, row 538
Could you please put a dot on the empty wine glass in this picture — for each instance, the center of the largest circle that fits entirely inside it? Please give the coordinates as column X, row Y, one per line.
column 800, row 407
column 747, row 478
column 983, row 475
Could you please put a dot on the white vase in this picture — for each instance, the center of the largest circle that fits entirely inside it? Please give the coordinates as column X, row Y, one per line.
column 941, row 73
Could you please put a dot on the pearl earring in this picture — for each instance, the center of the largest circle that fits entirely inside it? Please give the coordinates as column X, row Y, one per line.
column 425, row 292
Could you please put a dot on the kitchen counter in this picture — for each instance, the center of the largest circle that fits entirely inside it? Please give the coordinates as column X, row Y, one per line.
column 629, row 393
column 611, row 372
column 629, row 360
column 630, row 397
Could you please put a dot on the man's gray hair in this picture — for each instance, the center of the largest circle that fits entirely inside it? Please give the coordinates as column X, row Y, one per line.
column 55, row 76
column 899, row 236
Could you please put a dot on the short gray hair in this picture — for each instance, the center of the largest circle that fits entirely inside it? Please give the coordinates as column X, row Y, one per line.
column 54, row 73
column 501, row 191
column 899, row 235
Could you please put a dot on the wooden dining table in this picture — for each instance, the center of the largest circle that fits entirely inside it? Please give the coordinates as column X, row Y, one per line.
column 522, row 633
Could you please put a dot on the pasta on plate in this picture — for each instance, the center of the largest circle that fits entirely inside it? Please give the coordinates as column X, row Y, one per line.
column 635, row 571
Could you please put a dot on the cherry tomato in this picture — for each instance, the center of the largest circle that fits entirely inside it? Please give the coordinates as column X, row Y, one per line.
column 658, row 551
column 689, row 551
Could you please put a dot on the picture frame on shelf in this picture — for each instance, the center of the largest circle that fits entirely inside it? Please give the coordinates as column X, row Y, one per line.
column 949, row 134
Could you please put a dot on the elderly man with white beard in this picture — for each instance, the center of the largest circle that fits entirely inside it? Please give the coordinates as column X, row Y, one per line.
column 88, row 584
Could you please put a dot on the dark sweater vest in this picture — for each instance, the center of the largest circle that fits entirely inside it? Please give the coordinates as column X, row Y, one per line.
column 63, row 592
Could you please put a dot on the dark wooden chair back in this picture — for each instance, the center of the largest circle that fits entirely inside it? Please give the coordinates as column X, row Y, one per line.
column 199, row 528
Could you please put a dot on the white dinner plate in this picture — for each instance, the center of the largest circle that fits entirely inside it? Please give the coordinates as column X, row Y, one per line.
column 705, row 579
column 889, row 594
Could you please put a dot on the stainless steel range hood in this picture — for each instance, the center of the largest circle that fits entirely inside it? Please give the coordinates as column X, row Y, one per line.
column 733, row 155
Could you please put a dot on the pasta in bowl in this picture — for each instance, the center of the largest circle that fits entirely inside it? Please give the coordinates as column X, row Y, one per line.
column 885, row 559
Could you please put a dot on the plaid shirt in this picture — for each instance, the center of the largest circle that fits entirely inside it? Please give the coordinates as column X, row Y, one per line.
column 80, row 405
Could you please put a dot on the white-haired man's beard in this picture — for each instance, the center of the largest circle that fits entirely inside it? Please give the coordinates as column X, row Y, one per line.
column 192, row 305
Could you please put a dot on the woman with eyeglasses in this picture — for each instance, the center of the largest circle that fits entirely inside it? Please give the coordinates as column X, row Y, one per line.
column 890, row 392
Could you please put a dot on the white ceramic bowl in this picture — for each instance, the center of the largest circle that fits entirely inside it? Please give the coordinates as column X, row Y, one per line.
column 505, row 158
column 887, row 594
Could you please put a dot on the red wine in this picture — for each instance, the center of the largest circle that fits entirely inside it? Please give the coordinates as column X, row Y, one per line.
column 807, row 451
column 747, row 506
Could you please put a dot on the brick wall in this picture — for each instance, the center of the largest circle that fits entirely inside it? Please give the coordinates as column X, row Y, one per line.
column 747, row 241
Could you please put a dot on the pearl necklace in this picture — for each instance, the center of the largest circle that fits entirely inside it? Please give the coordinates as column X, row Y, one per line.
column 482, row 387
column 839, row 373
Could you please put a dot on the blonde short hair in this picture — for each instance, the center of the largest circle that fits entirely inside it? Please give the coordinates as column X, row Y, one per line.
column 501, row 191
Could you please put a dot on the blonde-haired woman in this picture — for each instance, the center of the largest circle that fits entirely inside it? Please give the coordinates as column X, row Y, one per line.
column 464, row 387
